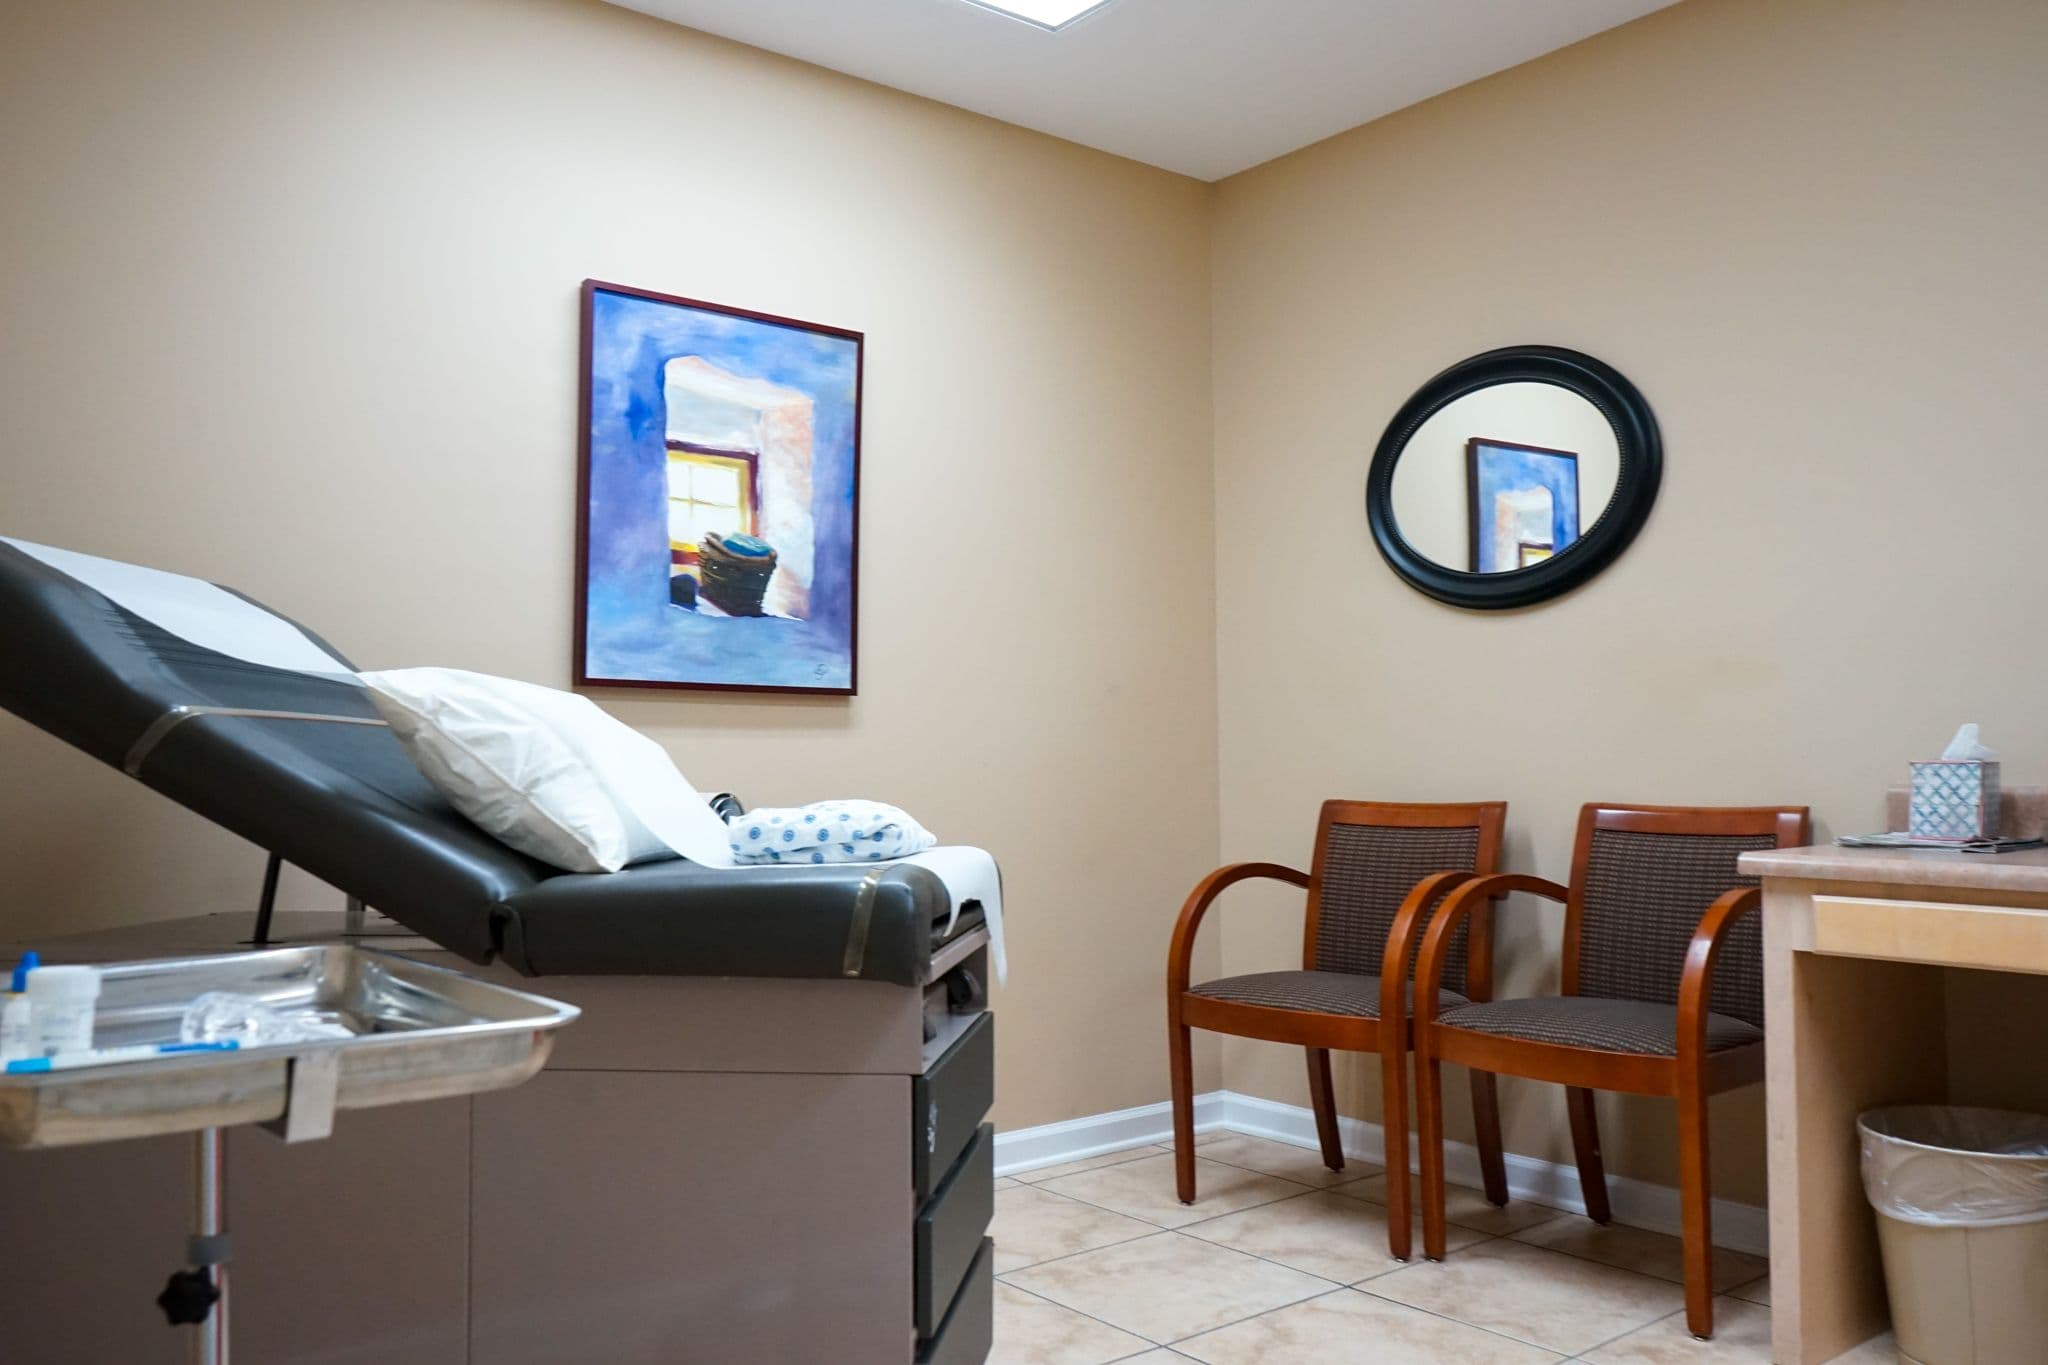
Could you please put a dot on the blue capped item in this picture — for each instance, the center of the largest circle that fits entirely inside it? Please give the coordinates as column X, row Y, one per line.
column 29, row 962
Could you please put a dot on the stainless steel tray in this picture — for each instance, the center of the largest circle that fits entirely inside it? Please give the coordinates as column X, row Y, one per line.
column 418, row 1033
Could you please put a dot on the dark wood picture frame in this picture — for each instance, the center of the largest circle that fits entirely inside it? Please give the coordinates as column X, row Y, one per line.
column 1641, row 468
column 1472, row 445
column 583, row 677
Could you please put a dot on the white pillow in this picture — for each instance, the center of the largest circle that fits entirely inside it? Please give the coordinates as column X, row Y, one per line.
column 547, row 772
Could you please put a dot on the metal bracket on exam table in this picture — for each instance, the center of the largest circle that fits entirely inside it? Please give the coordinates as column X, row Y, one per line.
column 145, row 744
column 310, row 1090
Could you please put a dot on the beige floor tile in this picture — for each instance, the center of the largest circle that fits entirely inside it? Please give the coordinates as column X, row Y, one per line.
column 1157, row 1356
column 1551, row 1300
column 1033, row 1225
column 1144, row 1189
column 1277, row 1158
column 1004, row 1182
column 1882, row 1350
column 1339, row 1239
column 1347, row 1327
column 1031, row 1331
column 1653, row 1253
column 1168, row 1285
column 1086, row 1163
column 1742, row 1336
column 1756, row 1291
column 1465, row 1207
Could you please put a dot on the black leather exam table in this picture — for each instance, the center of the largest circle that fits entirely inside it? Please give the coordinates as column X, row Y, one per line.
column 749, row 1149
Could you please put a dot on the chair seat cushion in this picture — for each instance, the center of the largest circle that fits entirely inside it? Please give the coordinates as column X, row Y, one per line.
column 1316, row 992
column 1636, row 1026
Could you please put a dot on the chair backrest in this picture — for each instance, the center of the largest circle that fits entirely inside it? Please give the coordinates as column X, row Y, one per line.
column 1641, row 878
column 1369, row 856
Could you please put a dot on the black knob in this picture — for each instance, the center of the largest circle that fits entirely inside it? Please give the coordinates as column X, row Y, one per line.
column 188, row 1297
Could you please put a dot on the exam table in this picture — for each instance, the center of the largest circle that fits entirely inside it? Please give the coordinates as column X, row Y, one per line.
column 758, row 1144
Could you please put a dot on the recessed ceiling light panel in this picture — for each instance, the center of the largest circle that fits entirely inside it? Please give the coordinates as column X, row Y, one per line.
column 1050, row 15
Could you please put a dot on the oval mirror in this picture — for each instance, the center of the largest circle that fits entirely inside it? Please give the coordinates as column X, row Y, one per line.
column 1513, row 476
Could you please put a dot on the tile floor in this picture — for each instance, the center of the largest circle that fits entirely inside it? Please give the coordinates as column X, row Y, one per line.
column 1282, row 1262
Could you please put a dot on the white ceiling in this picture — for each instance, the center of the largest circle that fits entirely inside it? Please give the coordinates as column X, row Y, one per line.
column 1203, row 87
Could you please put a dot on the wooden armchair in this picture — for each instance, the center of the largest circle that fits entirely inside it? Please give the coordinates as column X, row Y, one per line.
column 1661, row 994
column 1378, row 870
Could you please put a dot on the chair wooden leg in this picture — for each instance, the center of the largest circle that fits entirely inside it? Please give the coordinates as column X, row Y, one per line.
column 1429, row 1140
column 1586, row 1147
column 1695, row 1199
column 1486, row 1121
column 1180, row 1054
column 1394, row 1118
column 1323, row 1099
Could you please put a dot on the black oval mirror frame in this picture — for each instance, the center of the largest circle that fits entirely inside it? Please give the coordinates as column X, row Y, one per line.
column 1635, row 488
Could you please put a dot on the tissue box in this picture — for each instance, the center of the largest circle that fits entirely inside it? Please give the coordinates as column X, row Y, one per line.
column 1954, row 799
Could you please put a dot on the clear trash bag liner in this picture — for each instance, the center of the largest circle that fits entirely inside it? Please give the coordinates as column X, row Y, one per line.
column 1950, row 1167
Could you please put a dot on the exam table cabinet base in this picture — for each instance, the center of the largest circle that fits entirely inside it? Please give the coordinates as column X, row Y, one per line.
column 714, row 1170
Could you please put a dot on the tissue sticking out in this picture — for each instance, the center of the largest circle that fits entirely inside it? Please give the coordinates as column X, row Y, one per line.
column 1964, row 747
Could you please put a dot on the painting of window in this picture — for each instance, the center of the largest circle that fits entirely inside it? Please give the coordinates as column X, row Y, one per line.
column 1524, row 503
column 720, row 468
column 708, row 491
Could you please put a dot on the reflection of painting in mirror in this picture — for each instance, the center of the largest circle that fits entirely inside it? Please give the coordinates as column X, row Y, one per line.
column 1524, row 503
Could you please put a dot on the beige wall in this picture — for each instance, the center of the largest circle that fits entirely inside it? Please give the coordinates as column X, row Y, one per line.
column 288, row 300
column 1811, row 233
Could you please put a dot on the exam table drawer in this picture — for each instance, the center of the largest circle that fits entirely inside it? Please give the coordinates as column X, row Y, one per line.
column 969, row 1329
column 948, row 1101
column 950, row 1228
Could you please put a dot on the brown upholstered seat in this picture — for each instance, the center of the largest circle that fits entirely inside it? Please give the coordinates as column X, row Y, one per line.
column 1318, row 992
column 1380, row 870
column 1637, row 1026
column 1660, row 992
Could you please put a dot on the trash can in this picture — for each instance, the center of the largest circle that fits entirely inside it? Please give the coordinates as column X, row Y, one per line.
column 1962, row 1219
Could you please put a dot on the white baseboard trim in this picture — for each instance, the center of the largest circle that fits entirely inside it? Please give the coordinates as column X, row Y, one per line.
column 1639, row 1203
column 1026, row 1149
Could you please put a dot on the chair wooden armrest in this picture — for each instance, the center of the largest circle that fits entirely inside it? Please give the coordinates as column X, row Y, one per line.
column 1424, row 898
column 1436, row 941
column 1696, row 983
column 1181, row 951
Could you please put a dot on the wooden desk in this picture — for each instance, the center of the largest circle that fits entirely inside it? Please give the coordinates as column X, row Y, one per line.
column 1854, row 940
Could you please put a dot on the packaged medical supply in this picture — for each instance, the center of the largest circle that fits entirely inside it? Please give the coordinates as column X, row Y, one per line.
column 17, row 1015
column 219, row 1016
column 62, row 1001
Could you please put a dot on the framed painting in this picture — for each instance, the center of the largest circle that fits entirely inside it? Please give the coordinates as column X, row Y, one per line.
column 1524, row 503
column 718, row 532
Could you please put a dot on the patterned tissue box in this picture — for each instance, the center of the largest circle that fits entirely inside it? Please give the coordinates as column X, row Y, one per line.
column 1954, row 799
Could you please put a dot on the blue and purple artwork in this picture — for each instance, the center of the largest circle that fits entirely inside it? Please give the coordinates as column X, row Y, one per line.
column 721, row 464
column 1524, row 503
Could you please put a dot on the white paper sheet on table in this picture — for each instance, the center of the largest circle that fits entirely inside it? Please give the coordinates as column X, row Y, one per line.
column 970, row 875
column 195, row 610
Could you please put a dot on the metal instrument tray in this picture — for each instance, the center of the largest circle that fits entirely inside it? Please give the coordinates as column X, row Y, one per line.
column 418, row 1033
